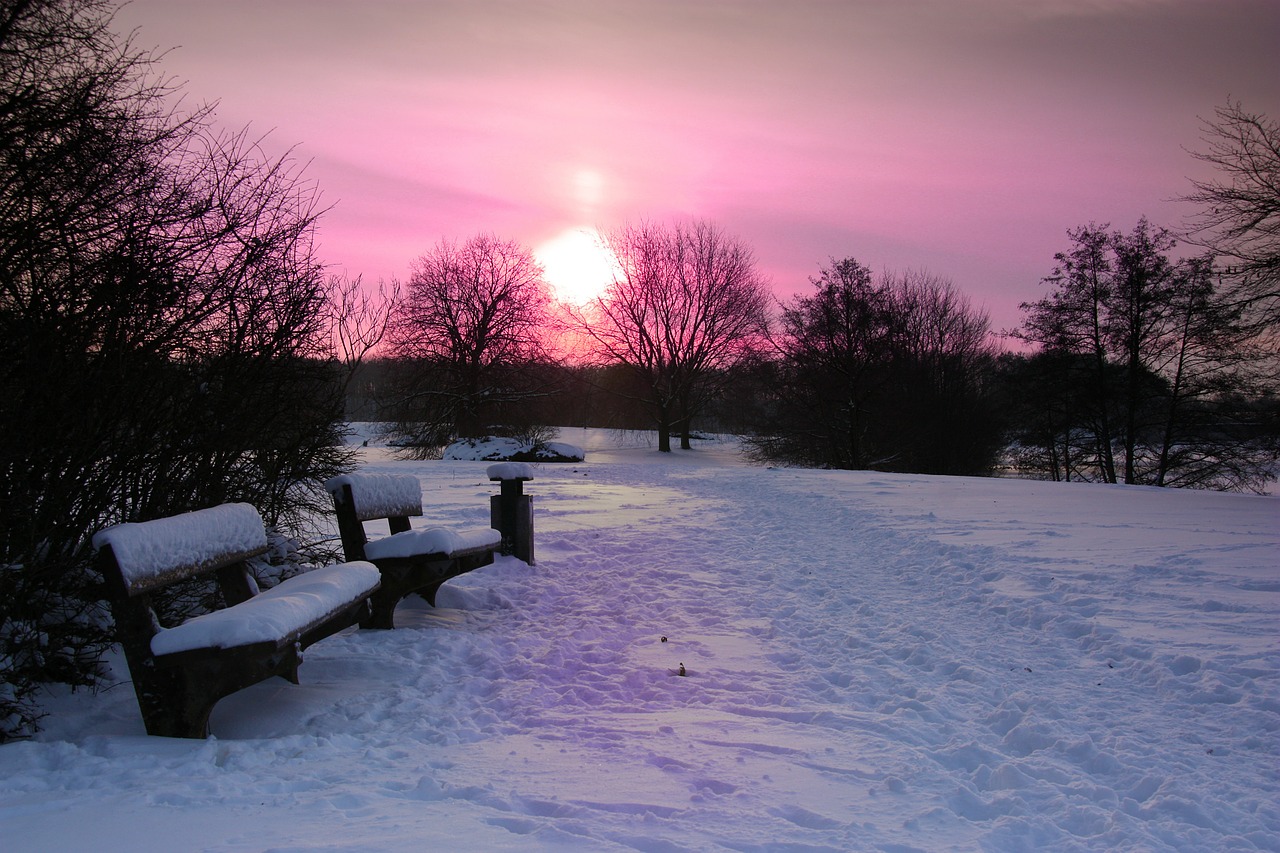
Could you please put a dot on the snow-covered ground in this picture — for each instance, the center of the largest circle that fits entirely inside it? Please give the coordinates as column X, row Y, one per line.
column 874, row 662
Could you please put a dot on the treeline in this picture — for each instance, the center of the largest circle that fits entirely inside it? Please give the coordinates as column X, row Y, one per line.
column 1147, row 370
column 1143, row 362
column 1136, row 367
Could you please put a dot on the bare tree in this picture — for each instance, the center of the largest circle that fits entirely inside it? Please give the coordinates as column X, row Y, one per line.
column 359, row 320
column 473, row 317
column 1155, row 362
column 685, row 306
column 1239, row 217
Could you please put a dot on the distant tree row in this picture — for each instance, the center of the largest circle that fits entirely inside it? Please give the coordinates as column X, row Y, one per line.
column 890, row 374
column 1159, row 370
column 686, row 308
column 1142, row 367
column 474, row 332
column 472, row 327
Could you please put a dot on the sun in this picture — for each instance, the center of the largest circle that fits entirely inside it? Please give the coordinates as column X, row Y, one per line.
column 577, row 264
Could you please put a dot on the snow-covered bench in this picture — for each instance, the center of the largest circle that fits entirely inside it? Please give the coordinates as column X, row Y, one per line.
column 180, row 672
column 410, row 560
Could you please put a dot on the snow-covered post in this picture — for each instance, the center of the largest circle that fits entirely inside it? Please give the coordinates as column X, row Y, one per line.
column 511, row 511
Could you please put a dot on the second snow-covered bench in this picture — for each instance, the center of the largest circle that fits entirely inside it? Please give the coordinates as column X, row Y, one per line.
column 180, row 672
column 410, row 560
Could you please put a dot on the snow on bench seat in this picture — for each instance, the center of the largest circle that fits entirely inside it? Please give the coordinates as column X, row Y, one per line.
column 283, row 611
column 431, row 540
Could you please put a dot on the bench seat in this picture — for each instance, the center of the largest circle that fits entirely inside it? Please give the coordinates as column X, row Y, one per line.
column 432, row 542
column 283, row 614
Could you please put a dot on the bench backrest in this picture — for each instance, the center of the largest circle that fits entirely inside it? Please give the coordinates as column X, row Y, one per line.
column 153, row 554
column 378, row 495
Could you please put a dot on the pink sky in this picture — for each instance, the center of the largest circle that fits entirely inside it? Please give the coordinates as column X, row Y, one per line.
column 963, row 138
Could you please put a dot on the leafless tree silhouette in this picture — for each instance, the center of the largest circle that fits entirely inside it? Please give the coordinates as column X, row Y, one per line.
column 473, row 318
column 687, row 303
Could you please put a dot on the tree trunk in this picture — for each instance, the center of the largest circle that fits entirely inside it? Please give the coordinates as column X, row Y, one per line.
column 664, row 429
column 686, row 442
column 1175, row 396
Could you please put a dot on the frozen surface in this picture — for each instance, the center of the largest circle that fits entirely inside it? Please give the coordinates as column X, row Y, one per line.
column 145, row 549
column 874, row 663
column 293, row 605
column 430, row 540
column 380, row 495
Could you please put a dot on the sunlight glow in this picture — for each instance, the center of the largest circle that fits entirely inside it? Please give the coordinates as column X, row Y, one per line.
column 578, row 266
column 588, row 189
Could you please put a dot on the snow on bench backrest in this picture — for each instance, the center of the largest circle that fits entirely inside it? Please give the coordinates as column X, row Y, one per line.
column 154, row 553
column 380, row 495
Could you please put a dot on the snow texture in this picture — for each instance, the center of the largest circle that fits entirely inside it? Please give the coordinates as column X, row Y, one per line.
column 510, row 471
column 145, row 550
column 281, row 611
column 873, row 663
column 380, row 495
column 430, row 540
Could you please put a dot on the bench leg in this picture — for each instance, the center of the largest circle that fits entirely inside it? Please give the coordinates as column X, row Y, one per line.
column 382, row 608
column 429, row 591
column 177, row 702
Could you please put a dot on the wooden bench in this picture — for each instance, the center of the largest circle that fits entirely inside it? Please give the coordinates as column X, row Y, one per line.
column 411, row 561
column 181, row 671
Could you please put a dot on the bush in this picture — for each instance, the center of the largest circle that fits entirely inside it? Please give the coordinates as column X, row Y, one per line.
column 161, row 342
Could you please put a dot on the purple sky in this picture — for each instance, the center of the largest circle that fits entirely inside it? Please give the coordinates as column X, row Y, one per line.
column 959, row 136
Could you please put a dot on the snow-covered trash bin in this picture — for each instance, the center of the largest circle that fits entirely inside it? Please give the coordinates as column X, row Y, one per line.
column 511, row 510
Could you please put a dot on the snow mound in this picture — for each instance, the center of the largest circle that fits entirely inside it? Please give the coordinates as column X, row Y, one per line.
column 495, row 449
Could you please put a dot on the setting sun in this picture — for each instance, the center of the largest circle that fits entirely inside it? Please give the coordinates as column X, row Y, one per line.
column 578, row 266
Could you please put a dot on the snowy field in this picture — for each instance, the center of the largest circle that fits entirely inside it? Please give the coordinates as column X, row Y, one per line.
column 874, row 662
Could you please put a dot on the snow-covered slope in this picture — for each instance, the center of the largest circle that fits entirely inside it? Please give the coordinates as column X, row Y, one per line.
column 873, row 663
